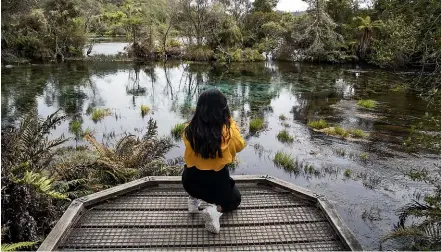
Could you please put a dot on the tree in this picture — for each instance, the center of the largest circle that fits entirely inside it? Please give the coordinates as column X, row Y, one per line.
column 65, row 27
column 238, row 8
column 264, row 5
column 318, row 36
column 168, row 22
column 366, row 27
column 195, row 13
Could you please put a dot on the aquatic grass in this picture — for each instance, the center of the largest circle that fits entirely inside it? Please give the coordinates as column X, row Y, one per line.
column 75, row 128
column 99, row 114
column 282, row 117
column 256, row 124
column 364, row 157
column 347, row 173
column 320, row 124
column 285, row 137
column 284, row 160
column 358, row 133
column 341, row 132
column 144, row 109
column 178, row 130
column 309, row 169
column 367, row 104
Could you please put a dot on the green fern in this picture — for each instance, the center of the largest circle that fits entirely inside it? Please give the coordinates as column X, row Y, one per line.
column 41, row 183
column 17, row 246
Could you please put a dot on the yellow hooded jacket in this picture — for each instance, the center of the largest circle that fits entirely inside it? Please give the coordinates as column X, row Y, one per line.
column 234, row 144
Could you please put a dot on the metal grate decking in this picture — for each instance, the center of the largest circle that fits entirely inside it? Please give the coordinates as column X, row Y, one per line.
column 155, row 217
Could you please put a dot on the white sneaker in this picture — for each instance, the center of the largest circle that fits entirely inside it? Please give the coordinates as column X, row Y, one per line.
column 211, row 217
column 193, row 205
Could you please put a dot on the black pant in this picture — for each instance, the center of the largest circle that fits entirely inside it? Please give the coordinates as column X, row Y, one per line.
column 212, row 187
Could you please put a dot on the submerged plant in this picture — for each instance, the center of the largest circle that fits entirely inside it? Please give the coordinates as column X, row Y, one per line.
column 284, row 160
column 368, row 104
column 256, row 124
column 285, row 137
column 178, row 130
column 99, row 114
column 320, row 124
column 364, row 156
column 144, row 109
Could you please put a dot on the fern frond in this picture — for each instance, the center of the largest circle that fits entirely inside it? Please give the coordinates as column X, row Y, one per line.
column 101, row 149
column 16, row 246
column 42, row 184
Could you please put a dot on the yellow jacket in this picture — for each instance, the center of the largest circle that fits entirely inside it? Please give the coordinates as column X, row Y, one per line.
column 235, row 144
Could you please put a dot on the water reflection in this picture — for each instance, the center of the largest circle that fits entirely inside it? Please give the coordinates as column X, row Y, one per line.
column 301, row 92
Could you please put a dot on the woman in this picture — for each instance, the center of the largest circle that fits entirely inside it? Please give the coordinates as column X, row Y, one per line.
column 212, row 140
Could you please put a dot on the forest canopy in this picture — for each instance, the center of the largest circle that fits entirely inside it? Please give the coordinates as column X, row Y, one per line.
column 386, row 33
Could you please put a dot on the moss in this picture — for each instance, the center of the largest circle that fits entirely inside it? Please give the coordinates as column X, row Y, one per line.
column 285, row 137
column 368, row 104
column 320, row 124
column 347, row 173
column 282, row 117
column 284, row 160
column 256, row 124
column 358, row 133
column 99, row 114
column 178, row 130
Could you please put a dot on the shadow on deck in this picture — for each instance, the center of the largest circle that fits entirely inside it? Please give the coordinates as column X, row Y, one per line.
column 151, row 214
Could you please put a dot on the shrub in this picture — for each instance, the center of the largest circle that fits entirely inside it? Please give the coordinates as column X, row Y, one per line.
column 320, row 124
column 178, row 130
column 252, row 55
column 282, row 117
column 236, row 55
column 199, row 53
column 284, row 160
column 347, row 173
column 174, row 43
column 367, row 104
column 285, row 137
column 256, row 124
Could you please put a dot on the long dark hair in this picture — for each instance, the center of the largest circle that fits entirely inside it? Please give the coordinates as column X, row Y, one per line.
column 205, row 131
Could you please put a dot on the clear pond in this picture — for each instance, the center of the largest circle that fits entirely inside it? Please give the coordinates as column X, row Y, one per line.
column 367, row 199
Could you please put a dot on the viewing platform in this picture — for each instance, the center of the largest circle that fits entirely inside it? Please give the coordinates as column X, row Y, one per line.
column 151, row 214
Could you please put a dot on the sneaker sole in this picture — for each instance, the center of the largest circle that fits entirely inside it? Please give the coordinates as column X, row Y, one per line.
column 209, row 223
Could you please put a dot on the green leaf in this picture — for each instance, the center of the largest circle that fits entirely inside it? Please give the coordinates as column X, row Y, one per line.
column 16, row 246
